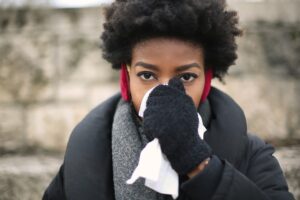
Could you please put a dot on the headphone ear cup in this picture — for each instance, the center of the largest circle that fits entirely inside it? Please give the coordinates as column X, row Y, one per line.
column 124, row 83
column 207, row 84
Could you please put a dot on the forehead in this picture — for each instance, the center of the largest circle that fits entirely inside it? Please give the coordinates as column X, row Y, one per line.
column 167, row 49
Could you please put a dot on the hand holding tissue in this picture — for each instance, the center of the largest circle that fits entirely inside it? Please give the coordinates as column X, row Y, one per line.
column 171, row 121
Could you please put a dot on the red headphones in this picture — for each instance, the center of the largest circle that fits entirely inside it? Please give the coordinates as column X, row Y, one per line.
column 124, row 83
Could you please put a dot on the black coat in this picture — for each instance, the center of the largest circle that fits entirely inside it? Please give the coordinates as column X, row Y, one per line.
column 246, row 168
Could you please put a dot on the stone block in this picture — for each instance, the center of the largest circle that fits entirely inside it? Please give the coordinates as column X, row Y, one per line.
column 270, row 105
column 49, row 126
column 99, row 93
column 92, row 69
column 26, row 177
column 71, row 91
column 12, row 135
column 252, row 10
column 5, row 97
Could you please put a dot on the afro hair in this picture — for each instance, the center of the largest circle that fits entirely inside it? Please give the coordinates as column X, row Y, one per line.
column 206, row 23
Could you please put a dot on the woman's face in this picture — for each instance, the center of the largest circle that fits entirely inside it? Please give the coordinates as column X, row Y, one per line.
column 156, row 61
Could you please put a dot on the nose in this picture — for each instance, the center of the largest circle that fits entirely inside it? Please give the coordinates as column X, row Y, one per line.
column 164, row 81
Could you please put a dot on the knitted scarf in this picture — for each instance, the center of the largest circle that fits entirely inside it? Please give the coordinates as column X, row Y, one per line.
column 127, row 143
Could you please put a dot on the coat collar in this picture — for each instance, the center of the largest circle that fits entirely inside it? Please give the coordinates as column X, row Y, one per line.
column 227, row 130
column 88, row 160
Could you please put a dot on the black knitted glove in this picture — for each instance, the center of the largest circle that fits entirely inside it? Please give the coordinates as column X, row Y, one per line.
column 171, row 116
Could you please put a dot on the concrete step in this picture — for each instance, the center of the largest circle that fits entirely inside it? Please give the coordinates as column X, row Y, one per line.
column 289, row 159
column 26, row 177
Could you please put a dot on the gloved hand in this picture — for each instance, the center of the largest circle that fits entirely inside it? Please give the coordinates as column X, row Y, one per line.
column 171, row 116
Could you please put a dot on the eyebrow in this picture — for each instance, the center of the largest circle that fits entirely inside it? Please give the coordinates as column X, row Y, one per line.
column 147, row 65
column 178, row 69
column 186, row 67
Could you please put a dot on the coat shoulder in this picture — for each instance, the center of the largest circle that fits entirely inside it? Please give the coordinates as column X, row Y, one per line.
column 256, row 144
column 90, row 144
column 256, row 148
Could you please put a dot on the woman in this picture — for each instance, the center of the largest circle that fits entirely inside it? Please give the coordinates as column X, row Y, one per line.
column 175, row 47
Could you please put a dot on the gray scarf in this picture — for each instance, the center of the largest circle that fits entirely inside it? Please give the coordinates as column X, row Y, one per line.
column 127, row 143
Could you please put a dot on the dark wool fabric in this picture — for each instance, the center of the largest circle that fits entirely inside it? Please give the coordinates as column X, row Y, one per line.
column 248, row 168
column 171, row 116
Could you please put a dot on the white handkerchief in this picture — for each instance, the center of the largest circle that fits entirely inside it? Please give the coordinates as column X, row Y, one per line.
column 154, row 166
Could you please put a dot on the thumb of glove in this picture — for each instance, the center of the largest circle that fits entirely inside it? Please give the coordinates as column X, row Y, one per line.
column 177, row 84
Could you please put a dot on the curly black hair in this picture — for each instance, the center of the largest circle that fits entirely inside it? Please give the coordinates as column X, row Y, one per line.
column 203, row 22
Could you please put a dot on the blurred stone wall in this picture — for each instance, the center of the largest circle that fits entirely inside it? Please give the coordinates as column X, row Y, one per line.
column 266, row 78
column 52, row 74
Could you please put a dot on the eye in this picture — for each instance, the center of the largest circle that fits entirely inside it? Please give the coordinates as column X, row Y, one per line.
column 147, row 76
column 188, row 77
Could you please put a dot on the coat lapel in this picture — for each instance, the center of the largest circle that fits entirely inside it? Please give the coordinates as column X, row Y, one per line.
column 227, row 131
